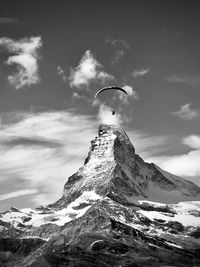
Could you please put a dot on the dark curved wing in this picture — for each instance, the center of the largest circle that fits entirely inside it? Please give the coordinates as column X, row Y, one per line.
column 110, row 88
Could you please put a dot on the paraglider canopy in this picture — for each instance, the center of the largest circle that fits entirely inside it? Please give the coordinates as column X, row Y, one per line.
column 110, row 88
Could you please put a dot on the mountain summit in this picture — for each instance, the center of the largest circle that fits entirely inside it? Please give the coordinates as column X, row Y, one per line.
column 113, row 169
column 116, row 210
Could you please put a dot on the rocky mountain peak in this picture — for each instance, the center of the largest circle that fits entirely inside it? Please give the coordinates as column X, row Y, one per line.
column 111, row 144
column 116, row 210
column 113, row 169
column 108, row 168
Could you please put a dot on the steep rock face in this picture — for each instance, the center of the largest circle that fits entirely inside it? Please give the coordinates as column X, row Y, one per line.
column 112, row 168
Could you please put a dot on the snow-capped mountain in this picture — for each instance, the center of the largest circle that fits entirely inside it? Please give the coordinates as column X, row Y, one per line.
column 113, row 169
column 116, row 210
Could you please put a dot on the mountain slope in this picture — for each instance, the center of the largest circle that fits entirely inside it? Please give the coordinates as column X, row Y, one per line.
column 117, row 210
column 112, row 168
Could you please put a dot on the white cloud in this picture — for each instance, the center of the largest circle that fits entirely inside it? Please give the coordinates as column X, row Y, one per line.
column 186, row 112
column 130, row 92
column 192, row 141
column 186, row 79
column 43, row 150
column 61, row 74
column 18, row 194
column 26, row 58
column 89, row 69
column 139, row 73
column 106, row 117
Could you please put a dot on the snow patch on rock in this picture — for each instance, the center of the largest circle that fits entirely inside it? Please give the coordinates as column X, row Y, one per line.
column 40, row 217
column 187, row 213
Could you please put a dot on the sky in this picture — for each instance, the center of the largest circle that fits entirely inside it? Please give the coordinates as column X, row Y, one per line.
column 54, row 57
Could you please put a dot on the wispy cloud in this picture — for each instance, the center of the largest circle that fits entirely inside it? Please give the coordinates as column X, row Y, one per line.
column 61, row 74
column 118, row 54
column 148, row 145
column 18, row 194
column 190, row 80
column 121, row 47
column 7, row 20
column 118, row 43
column 43, row 150
column 185, row 112
column 88, row 70
column 139, row 73
column 25, row 58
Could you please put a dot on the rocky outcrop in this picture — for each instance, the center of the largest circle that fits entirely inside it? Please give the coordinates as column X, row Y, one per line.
column 11, row 249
